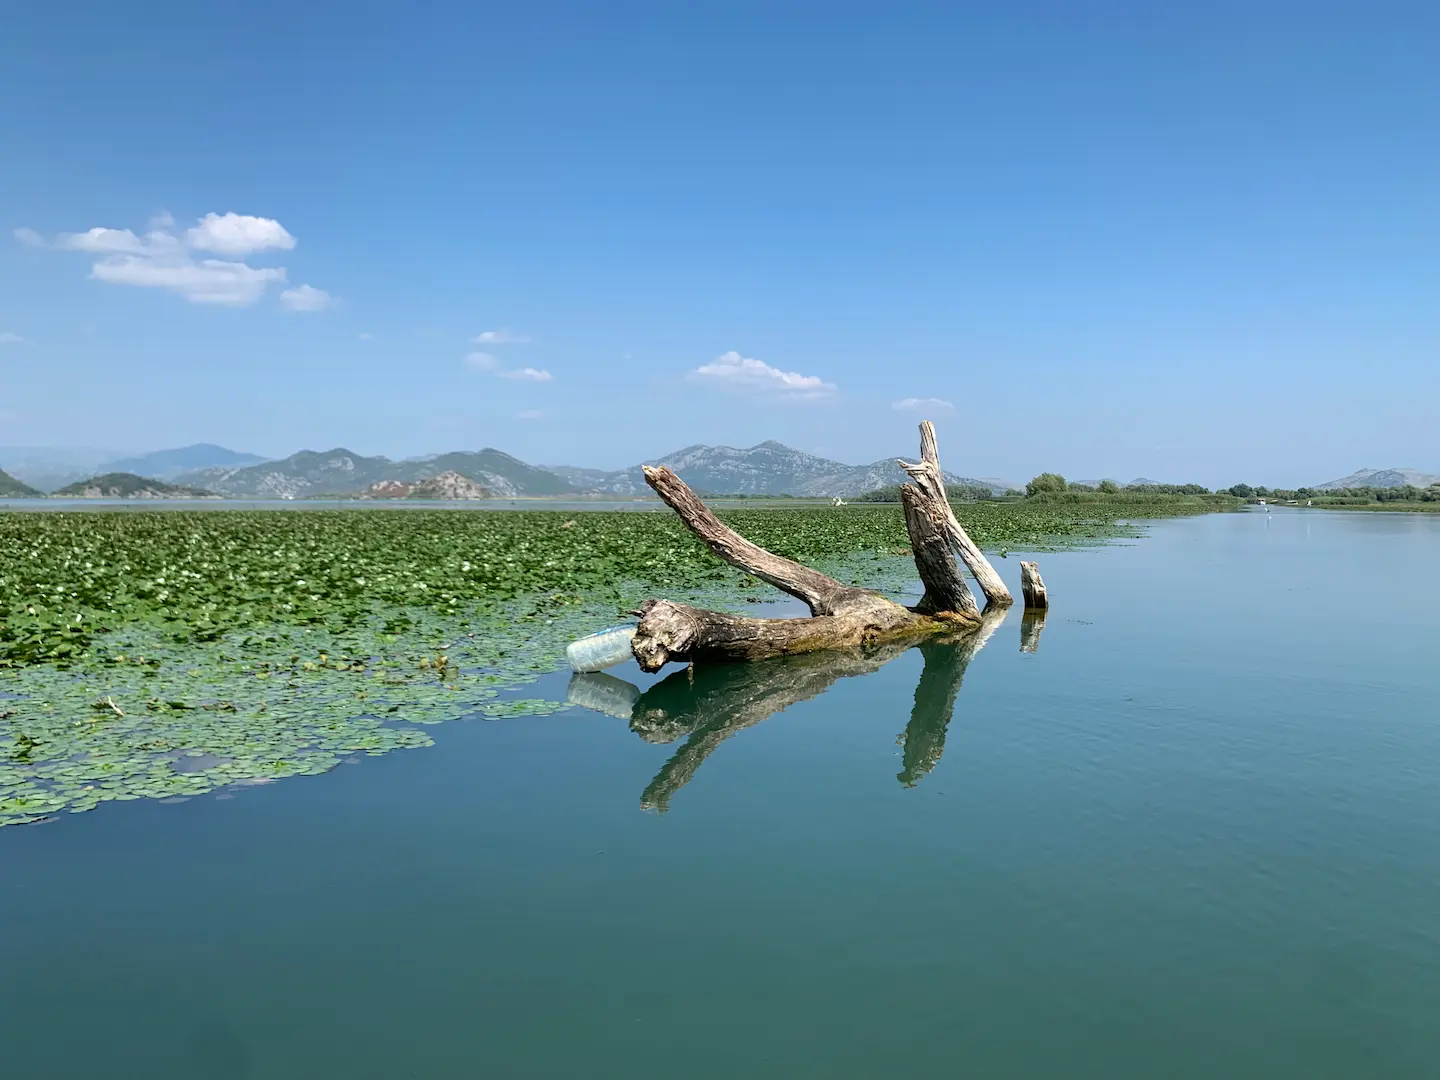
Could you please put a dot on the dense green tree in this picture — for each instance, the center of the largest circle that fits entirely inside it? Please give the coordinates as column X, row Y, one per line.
column 1109, row 487
column 1241, row 491
column 1047, row 483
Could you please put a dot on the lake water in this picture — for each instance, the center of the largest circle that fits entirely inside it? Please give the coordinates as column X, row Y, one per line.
column 1194, row 834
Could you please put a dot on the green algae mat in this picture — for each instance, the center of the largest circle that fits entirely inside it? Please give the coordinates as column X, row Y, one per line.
column 165, row 654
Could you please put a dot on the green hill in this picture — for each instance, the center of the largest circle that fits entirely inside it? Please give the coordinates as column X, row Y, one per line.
column 10, row 488
column 121, row 485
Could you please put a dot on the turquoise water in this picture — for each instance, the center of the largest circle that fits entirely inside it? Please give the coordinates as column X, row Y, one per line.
column 1194, row 834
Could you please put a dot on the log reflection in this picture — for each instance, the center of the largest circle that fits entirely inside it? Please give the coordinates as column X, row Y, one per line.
column 1031, row 624
column 705, row 705
column 945, row 664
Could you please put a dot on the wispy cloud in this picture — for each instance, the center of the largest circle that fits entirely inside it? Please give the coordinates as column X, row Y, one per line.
column 527, row 374
column 365, row 335
column 490, row 364
column 530, row 414
column 165, row 258
column 501, row 337
column 922, row 404
column 8, row 337
column 306, row 298
column 745, row 373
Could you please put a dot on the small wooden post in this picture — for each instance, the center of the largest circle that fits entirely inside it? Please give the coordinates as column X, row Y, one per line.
column 1032, row 586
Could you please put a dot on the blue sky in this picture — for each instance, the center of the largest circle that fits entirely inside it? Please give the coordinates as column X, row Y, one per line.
column 1184, row 241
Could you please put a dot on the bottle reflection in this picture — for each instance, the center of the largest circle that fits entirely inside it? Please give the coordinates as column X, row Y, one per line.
column 707, row 705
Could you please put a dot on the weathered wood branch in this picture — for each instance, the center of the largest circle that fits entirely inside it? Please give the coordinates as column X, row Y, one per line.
column 930, row 479
column 823, row 595
column 842, row 616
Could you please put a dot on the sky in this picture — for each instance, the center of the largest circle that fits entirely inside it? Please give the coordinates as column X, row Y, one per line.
column 1193, row 242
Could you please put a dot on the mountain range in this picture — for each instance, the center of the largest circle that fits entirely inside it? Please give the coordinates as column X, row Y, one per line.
column 343, row 472
column 1381, row 478
column 771, row 468
column 50, row 468
column 767, row 469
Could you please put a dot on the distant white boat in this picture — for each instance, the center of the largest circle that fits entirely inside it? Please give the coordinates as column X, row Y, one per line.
column 837, row 501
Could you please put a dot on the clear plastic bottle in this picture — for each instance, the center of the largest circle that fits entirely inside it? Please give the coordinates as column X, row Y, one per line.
column 597, row 651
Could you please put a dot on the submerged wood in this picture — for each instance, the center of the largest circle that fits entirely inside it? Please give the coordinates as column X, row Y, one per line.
column 842, row 616
column 930, row 479
column 1032, row 587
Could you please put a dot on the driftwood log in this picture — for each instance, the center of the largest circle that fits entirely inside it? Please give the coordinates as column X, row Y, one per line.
column 842, row 616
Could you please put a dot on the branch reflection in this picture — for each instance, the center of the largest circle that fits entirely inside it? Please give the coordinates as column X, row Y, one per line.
column 707, row 705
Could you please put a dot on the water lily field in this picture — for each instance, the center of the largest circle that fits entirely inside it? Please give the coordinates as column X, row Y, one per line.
column 164, row 654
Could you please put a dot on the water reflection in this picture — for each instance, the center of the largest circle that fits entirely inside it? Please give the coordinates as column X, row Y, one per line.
column 707, row 705
column 1031, row 624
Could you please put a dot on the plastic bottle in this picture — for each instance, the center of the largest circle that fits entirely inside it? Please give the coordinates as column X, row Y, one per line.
column 598, row 651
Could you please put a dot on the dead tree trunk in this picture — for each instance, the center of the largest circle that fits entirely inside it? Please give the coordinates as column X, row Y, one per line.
column 930, row 479
column 841, row 615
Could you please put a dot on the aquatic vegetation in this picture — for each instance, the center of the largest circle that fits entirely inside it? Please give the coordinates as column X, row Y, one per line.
column 164, row 654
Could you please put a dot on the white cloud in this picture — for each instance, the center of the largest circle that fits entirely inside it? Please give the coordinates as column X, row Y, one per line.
column 482, row 361
column 501, row 337
column 9, row 338
column 118, row 242
column 209, row 281
column 732, row 369
column 530, row 414
column 238, row 234
column 527, row 374
column 163, row 259
column 922, row 404
column 365, row 335
column 306, row 298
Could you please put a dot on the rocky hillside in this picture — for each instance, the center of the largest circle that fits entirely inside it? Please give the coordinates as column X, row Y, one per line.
column 1381, row 478
column 120, row 485
column 448, row 485
column 344, row 472
column 10, row 488
column 771, row 468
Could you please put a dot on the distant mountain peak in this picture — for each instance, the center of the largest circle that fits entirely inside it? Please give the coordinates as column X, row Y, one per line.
column 170, row 464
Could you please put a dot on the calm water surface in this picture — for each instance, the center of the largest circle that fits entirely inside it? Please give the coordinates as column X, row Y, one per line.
column 1194, row 834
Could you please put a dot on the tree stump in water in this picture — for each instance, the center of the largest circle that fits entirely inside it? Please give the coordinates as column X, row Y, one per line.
column 1032, row 587
column 842, row 616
